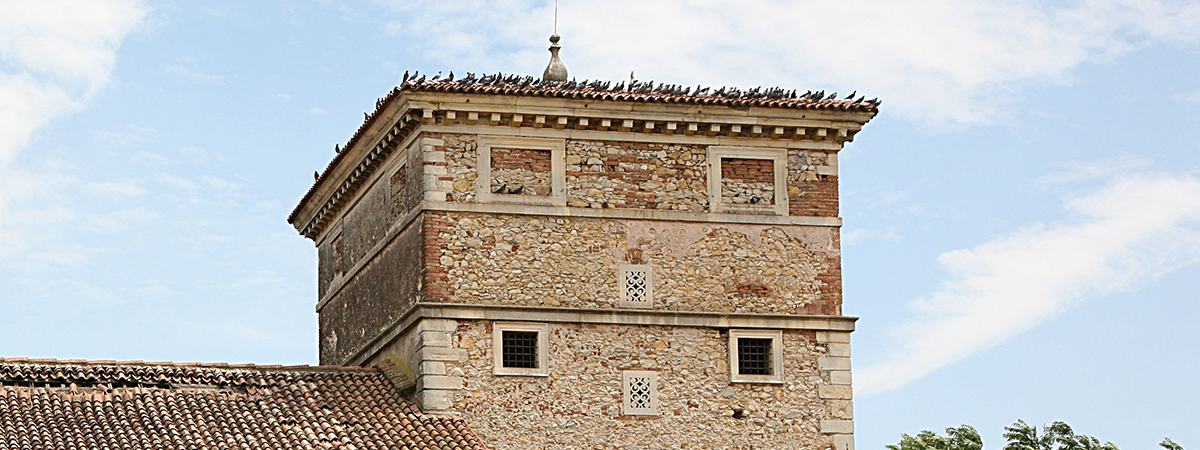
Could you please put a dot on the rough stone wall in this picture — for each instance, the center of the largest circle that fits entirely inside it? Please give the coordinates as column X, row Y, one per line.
column 579, row 405
column 810, row 193
column 364, row 224
column 747, row 181
column 603, row 174
column 372, row 300
column 636, row 175
column 573, row 262
column 522, row 172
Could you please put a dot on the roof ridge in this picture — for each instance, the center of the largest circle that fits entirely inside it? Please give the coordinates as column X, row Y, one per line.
column 197, row 365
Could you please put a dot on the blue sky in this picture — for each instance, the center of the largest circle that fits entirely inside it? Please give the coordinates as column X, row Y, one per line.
column 1022, row 220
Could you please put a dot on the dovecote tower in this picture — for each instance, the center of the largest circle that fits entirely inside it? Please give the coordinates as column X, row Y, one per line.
column 595, row 265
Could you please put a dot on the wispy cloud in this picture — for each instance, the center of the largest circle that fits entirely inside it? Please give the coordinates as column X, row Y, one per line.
column 950, row 62
column 186, row 74
column 1189, row 98
column 127, row 135
column 1133, row 231
column 54, row 57
column 128, row 188
column 1079, row 171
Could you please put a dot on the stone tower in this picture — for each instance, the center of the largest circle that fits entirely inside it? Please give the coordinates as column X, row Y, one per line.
column 595, row 265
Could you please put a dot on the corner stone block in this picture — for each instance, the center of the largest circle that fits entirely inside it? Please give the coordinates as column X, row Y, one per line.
column 432, row 142
column 839, row 392
column 839, row 350
column 839, row 409
column 436, row 196
column 843, row 442
column 437, row 325
column 435, row 157
column 439, row 382
column 433, row 368
column 840, row 337
column 434, row 401
column 433, row 339
column 840, row 377
column 837, row 426
column 442, row 354
column 827, row 363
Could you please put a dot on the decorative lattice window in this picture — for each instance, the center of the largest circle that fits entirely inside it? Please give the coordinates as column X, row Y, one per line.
column 639, row 393
column 636, row 286
column 756, row 356
column 520, row 348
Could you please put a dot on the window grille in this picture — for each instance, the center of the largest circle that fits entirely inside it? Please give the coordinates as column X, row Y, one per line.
column 640, row 392
column 520, row 349
column 637, row 286
column 754, row 356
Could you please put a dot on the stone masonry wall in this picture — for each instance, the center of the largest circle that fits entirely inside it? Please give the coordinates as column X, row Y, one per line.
column 522, row 172
column 573, row 262
column 579, row 405
column 748, row 181
column 637, row 175
column 372, row 300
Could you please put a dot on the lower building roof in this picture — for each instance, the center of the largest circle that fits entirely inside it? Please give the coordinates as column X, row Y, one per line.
column 61, row 404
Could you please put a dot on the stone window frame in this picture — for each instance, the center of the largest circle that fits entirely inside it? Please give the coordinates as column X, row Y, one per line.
column 622, row 271
column 776, row 375
column 558, row 169
column 777, row 155
column 543, row 342
column 627, row 407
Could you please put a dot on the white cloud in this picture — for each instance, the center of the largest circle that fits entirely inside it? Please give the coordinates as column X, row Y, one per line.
column 54, row 56
column 176, row 181
column 151, row 157
column 129, row 188
column 1078, row 171
column 952, row 61
column 127, row 135
column 1190, row 98
column 1131, row 232
column 855, row 236
column 188, row 75
column 317, row 111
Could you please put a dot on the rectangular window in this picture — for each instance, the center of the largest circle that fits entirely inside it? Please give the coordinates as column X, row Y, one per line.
column 520, row 348
column 747, row 180
column 525, row 170
column 756, row 356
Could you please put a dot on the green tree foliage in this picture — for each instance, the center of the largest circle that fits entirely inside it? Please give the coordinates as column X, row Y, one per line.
column 962, row 438
column 1020, row 436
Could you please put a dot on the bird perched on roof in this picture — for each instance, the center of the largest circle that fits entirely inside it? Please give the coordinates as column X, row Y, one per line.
column 316, row 176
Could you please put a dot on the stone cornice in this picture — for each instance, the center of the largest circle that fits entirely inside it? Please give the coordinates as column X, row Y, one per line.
column 408, row 114
column 600, row 316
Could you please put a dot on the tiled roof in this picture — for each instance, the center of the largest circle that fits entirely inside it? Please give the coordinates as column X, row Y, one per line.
column 633, row 91
column 49, row 404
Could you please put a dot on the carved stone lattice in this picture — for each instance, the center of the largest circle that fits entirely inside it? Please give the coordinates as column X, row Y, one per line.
column 636, row 286
column 639, row 393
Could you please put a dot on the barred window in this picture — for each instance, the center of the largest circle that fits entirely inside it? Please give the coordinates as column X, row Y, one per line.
column 754, row 356
column 520, row 349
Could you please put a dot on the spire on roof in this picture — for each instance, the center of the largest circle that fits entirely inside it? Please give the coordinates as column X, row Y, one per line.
column 555, row 71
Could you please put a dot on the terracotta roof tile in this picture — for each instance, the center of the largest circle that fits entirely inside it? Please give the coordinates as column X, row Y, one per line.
column 51, row 404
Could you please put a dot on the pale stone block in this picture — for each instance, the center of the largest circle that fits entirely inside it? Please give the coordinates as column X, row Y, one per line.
column 439, row 382
column 840, row 409
column 432, row 401
column 837, row 426
column 832, row 160
column 435, row 157
column 435, row 170
column 433, row 368
column 833, row 363
column 442, row 354
column 839, row 377
column 839, row 350
column 433, row 339
column 432, row 142
column 435, row 196
column 835, row 392
column 437, row 325
column 827, row 170
column 843, row 442
column 842, row 337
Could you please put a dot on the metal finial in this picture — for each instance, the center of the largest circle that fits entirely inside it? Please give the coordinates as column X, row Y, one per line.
column 555, row 71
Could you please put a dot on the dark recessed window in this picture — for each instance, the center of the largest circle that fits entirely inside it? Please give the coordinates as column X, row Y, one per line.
column 520, row 349
column 754, row 356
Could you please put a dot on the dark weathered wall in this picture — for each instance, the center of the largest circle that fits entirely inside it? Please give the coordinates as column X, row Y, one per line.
column 374, row 298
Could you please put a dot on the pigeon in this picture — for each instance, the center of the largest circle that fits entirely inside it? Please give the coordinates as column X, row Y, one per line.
column 436, row 77
column 503, row 189
column 851, row 96
column 337, row 148
column 316, row 176
column 405, row 79
column 517, row 190
column 451, row 77
column 756, row 199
